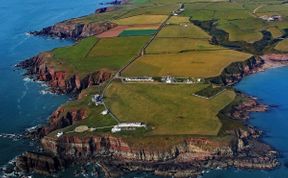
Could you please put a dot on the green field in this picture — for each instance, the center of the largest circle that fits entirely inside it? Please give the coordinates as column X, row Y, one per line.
column 141, row 19
column 244, row 29
column 94, row 118
column 176, row 20
column 282, row 46
column 190, row 64
column 183, row 30
column 92, row 54
column 177, row 45
column 168, row 109
column 180, row 49
column 145, row 32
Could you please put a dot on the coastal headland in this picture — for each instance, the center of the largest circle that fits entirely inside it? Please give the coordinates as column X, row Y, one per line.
column 168, row 68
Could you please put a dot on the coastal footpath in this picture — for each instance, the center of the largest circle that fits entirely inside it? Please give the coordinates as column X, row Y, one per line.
column 227, row 141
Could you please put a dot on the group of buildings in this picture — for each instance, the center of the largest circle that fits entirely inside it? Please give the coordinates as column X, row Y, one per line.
column 271, row 18
column 127, row 126
column 165, row 79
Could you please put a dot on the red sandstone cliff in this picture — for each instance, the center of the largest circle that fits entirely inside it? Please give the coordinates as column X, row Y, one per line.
column 61, row 81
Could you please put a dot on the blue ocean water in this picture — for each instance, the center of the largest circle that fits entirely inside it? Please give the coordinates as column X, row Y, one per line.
column 270, row 87
column 23, row 105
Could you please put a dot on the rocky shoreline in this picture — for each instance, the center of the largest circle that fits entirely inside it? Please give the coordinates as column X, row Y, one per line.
column 60, row 81
column 189, row 158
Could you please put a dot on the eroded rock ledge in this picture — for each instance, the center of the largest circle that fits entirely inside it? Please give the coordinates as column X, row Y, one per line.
column 189, row 158
column 75, row 30
column 61, row 81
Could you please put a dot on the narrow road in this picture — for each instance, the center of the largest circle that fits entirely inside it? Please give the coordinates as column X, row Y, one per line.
column 257, row 8
column 141, row 53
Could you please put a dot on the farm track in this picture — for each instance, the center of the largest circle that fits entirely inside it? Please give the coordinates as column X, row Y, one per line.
column 141, row 53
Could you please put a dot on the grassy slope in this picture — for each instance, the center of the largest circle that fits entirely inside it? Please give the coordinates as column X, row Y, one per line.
column 190, row 64
column 141, row 19
column 282, row 46
column 235, row 18
column 177, row 45
column 169, row 109
column 91, row 54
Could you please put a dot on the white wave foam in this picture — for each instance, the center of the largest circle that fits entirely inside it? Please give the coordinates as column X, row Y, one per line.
column 27, row 79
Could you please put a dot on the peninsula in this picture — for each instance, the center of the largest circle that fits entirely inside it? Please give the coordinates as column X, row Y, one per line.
column 153, row 87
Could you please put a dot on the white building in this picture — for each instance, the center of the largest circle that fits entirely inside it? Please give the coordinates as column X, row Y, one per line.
column 139, row 79
column 167, row 79
column 126, row 126
column 59, row 134
column 105, row 112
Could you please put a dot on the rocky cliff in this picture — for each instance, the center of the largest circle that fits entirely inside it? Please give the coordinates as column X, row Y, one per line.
column 61, row 81
column 75, row 30
column 188, row 158
column 237, row 70
column 39, row 163
column 60, row 119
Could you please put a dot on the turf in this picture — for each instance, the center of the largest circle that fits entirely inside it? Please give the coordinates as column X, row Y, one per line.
column 178, row 20
column 248, row 30
column 177, row 45
column 94, row 118
column 92, row 54
column 147, row 32
column 190, row 64
column 282, row 46
column 141, row 19
column 168, row 109
column 187, row 30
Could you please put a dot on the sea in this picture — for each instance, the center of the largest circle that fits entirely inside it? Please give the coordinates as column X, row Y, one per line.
column 25, row 103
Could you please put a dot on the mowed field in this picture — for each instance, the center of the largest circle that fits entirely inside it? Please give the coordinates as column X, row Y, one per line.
column 239, row 19
column 190, row 64
column 168, row 109
column 282, row 46
column 92, row 54
column 186, row 30
column 177, row 45
column 141, row 19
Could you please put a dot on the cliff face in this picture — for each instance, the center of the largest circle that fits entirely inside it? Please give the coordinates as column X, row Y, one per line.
column 237, row 70
column 75, row 30
column 182, row 160
column 39, row 163
column 74, row 147
column 60, row 119
column 61, row 81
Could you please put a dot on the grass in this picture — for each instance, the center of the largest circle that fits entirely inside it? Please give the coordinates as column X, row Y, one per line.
column 94, row 117
column 210, row 91
column 184, row 31
column 176, row 20
column 141, row 19
column 168, row 109
column 159, row 45
column 92, row 54
column 248, row 30
column 190, row 64
column 147, row 32
column 282, row 46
